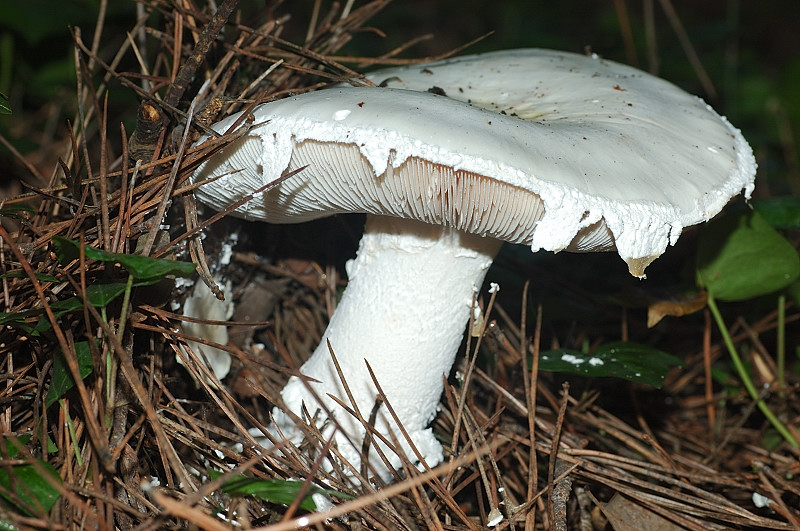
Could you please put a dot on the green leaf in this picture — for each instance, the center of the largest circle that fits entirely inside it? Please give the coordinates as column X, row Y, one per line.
column 621, row 359
column 16, row 318
column 780, row 212
column 13, row 446
column 276, row 490
column 19, row 320
column 59, row 308
column 24, row 487
column 141, row 267
column 100, row 295
column 31, row 488
column 66, row 306
column 62, row 381
column 4, row 107
column 41, row 277
column 741, row 256
column 16, row 211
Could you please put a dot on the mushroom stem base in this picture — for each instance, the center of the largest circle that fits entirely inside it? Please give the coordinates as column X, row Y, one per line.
column 404, row 312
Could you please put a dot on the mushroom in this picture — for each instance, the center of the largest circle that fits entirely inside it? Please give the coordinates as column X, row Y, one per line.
column 202, row 307
column 554, row 150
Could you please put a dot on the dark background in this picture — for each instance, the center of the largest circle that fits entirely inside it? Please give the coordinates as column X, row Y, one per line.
column 748, row 49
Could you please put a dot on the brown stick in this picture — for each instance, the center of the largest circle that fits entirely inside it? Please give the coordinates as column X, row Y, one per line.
column 150, row 120
column 189, row 68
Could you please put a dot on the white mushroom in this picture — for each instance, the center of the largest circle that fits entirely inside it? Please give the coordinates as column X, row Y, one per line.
column 203, row 305
column 553, row 150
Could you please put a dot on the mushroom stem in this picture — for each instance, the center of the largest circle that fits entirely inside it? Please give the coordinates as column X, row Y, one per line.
column 405, row 309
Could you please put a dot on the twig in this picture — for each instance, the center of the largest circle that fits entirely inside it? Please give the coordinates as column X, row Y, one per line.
column 198, row 55
column 162, row 207
column 688, row 48
column 559, row 492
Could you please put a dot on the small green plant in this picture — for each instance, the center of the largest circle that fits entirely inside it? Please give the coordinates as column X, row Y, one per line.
column 29, row 485
column 142, row 271
column 741, row 257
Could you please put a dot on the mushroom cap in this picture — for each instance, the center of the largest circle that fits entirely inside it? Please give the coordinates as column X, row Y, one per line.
column 553, row 149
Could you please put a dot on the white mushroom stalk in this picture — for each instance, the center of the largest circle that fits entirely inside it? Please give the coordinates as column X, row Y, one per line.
column 554, row 150
column 409, row 295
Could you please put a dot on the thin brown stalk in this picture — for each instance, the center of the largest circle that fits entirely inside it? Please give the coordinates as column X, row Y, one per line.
column 554, row 487
column 625, row 30
column 689, row 49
